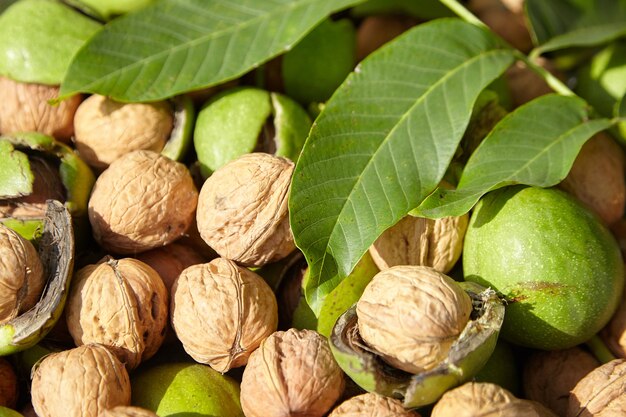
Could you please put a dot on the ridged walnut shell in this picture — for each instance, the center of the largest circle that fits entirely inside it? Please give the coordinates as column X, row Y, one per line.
column 121, row 304
column 242, row 209
column 292, row 373
column 127, row 411
column 169, row 261
column 486, row 400
column 25, row 108
column 411, row 316
column 614, row 333
column 601, row 393
column 80, row 382
column 8, row 384
column 106, row 130
column 142, row 201
column 21, row 274
column 372, row 405
column 419, row 241
column 222, row 312
column 549, row 376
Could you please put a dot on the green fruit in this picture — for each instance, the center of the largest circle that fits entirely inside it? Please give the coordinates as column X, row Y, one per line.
column 186, row 390
column 557, row 265
column 7, row 412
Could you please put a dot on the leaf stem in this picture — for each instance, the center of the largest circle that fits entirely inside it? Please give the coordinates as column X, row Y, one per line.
column 599, row 349
column 554, row 83
column 463, row 13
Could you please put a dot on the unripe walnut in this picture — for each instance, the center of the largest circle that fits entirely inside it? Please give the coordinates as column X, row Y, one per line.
column 242, row 209
column 170, row 260
column 221, row 312
column 292, row 373
column 127, row 411
column 121, row 304
column 21, row 274
column 106, row 129
column 486, row 400
column 142, row 201
column 411, row 316
column 8, row 384
column 372, row 404
column 602, row 393
column 25, row 108
column 80, row 382
column 419, row 241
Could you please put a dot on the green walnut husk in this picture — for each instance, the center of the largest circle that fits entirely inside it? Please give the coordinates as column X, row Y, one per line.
column 56, row 250
column 39, row 38
column 179, row 141
column 243, row 120
column 467, row 355
column 7, row 412
column 109, row 9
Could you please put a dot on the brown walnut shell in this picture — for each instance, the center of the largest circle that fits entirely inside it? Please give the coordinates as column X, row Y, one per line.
column 169, row 261
column 127, row 411
column 486, row 400
column 614, row 333
column 21, row 274
column 242, row 209
column 411, row 316
column 601, row 392
column 8, row 384
column 420, row 241
column 80, row 382
column 25, row 108
column 106, row 129
column 372, row 404
column 121, row 304
column 292, row 373
column 142, row 201
column 222, row 312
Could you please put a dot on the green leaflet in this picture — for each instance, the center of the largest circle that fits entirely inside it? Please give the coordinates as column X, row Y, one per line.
column 535, row 145
column 175, row 46
column 384, row 141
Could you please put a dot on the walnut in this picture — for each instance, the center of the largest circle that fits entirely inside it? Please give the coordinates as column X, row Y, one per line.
column 411, row 316
column 121, row 304
column 8, row 384
column 221, row 312
column 25, row 108
column 597, row 178
column 486, row 400
column 170, row 260
column 142, row 201
column 550, row 376
column 601, row 392
column 614, row 333
column 242, row 209
column 420, row 241
column 21, row 274
column 372, row 404
column 291, row 373
column 106, row 129
column 127, row 411
column 80, row 382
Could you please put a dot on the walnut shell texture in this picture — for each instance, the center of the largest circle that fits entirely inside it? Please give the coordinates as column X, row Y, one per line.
column 601, row 392
column 25, row 108
column 411, row 316
column 222, row 312
column 486, row 400
column 242, row 209
column 142, row 201
column 8, row 384
column 420, row 241
column 127, row 411
column 121, row 304
column 292, row 373
column 80, row 382
column 106, row 129
column 170, row 260
column 614, row 333
column 372, row 405
column 21, row 274
column 550, row 376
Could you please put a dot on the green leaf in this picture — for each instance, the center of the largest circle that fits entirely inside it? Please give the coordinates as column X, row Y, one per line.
column 175, row 46
column 384, row 141
column 535, row 145
column 620, row 108
column 561, row 24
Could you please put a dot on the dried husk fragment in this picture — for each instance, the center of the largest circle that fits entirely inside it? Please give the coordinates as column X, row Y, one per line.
column 142, row 201
column 80, row 382
column 411, row 316
column 242, row 209
column 601, row 392
column 486, row 400
column 372, row 405
column 419, row 241
column 221, row 312
column 292, row 373
column 127, row 411
column 8, row 384
column 121, row 304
